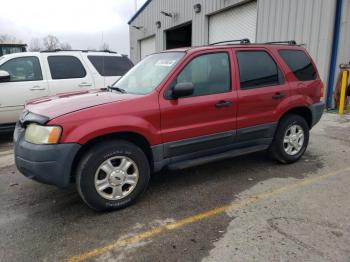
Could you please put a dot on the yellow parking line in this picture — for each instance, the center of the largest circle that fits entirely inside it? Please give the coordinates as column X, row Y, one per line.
column 201, row 216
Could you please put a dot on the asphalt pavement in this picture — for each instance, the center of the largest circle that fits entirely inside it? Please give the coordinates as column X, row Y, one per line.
column 248, row 208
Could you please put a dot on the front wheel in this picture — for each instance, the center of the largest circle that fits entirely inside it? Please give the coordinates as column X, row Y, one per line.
column 291, row 139
column 112, row 175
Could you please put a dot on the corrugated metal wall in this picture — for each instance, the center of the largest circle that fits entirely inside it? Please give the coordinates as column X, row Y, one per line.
column 235, row 23
column 309, row 22
column 344, row 41
column 185, row 13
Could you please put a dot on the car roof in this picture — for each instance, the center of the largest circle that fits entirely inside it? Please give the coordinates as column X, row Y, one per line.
column 240, row 46
column 64, row 52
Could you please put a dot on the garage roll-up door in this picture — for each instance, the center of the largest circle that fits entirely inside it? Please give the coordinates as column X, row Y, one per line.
column 148, row 46
column 235, row 23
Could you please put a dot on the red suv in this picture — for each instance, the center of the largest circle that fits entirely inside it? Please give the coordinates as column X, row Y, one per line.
column 174, row 109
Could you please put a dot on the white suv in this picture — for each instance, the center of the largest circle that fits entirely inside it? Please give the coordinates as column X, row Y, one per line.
column 25, row 76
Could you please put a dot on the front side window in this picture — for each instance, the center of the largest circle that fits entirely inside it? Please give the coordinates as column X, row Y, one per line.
column 110, row 65
column 23, row 69
column 257, row 69
column 209, row 74
column 144, row 77
column 66, row 67
column 300, row 64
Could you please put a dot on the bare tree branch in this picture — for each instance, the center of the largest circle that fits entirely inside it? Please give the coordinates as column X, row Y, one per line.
column 66, row 46
column 9, row 39
column 51, row 42
column 35, row 45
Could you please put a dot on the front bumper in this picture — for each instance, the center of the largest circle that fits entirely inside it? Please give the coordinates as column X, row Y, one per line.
column 317, row 110
column 49, row 164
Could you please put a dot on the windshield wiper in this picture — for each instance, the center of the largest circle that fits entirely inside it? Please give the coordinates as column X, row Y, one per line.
column 120, row 90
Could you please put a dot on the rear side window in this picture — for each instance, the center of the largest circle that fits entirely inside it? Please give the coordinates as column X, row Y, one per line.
column 257, row 69
column 110, row 65
column 65, row 67
column 300, row 64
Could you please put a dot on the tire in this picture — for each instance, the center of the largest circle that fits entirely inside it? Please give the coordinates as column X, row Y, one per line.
column 112, row 164
column 281, row 150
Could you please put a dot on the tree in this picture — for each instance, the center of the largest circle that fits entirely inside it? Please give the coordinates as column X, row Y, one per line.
column 35, row 45
column 51, row 42
column 104, row 47
column 66, row 46
column 9, row 39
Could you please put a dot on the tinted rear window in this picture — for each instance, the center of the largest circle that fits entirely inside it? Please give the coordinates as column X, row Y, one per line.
column 110, row 65
column 300, row 64
column 257, row 69
column 65, row 67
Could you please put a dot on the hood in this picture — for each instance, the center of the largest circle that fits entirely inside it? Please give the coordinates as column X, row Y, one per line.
column 61, row 104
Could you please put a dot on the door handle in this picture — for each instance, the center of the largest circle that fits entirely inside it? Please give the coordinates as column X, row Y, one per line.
column 278, row 95
column 223, row 103
column 37, row 88
column 83, row 84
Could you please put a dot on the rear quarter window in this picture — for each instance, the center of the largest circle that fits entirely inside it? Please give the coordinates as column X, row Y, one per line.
column 300, row 64
column 110, row 65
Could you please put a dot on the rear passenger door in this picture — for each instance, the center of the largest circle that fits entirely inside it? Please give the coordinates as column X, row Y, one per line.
column 67, row 73
column 262, row 89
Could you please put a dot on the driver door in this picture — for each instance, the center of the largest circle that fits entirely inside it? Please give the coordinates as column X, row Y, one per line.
column 206, row 119
column 26, row 83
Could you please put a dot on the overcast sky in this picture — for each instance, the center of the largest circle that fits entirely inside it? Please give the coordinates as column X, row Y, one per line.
column 82, row 23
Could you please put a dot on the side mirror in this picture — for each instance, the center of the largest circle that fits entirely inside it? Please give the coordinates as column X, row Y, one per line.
column 182, row 89
column 4, row 76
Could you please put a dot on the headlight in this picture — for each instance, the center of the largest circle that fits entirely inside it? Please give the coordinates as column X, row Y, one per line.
column 37, row 134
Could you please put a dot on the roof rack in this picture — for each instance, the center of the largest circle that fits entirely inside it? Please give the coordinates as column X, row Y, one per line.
column 241, row 41
column 290, row 42
column 85, row 51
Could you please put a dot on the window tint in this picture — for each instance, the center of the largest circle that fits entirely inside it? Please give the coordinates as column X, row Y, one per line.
column 300, row 64
column 257, row 69
column 65, row 67
column 23, row 69
column 110, row 65
column 210, row 74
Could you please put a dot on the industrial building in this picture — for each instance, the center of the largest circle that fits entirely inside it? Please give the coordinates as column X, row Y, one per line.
column 322, row 26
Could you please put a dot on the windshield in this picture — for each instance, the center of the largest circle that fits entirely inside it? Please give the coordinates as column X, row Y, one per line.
column 149, row 73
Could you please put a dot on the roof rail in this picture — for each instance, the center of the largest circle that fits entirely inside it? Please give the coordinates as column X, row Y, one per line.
column 85, row 51
column 290, row 42
column 241, row 41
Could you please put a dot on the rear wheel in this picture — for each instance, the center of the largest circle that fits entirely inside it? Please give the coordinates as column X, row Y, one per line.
column 112, row 175
column 291, row 139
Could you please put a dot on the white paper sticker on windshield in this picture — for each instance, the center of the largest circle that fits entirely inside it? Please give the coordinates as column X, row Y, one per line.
column 164, row 62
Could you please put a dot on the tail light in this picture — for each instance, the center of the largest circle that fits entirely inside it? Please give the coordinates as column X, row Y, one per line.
column 321, row 90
